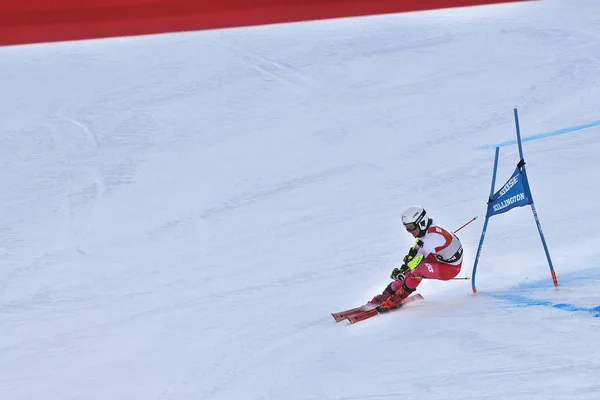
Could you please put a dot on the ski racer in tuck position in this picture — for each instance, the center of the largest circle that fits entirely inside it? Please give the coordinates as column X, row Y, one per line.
column 436, row 254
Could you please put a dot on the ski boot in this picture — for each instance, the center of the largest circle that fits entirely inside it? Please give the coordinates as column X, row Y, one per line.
column 395, row 300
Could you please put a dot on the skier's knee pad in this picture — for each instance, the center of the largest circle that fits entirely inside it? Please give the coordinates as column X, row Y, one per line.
column 389, row 289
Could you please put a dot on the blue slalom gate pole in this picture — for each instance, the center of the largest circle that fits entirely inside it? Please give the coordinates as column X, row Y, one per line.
column 535, row 216
column 485, row 224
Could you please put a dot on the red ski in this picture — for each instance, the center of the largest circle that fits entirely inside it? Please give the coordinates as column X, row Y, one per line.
column 340, row 316
column 362, row 315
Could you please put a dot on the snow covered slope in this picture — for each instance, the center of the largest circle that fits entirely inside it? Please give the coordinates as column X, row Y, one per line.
column 181, row 213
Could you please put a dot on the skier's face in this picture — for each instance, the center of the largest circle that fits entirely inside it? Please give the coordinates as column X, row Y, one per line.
column 414, row 232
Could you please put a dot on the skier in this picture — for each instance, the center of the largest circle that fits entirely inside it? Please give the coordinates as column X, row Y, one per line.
column 436, row 254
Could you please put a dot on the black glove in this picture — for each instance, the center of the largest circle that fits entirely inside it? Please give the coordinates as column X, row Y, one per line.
column 399, row 274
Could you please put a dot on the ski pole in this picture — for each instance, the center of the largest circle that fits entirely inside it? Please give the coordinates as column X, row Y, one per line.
column 474, row 218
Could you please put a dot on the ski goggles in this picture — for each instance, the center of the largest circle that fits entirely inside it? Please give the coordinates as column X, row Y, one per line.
column 411, row 226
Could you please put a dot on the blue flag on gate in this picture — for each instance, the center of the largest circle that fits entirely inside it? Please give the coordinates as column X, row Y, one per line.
column 514, row 193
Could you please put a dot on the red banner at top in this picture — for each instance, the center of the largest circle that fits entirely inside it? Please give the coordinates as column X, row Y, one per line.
column 30, row 21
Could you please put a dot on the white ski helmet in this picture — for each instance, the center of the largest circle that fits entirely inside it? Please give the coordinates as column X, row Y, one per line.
column 416, row 217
